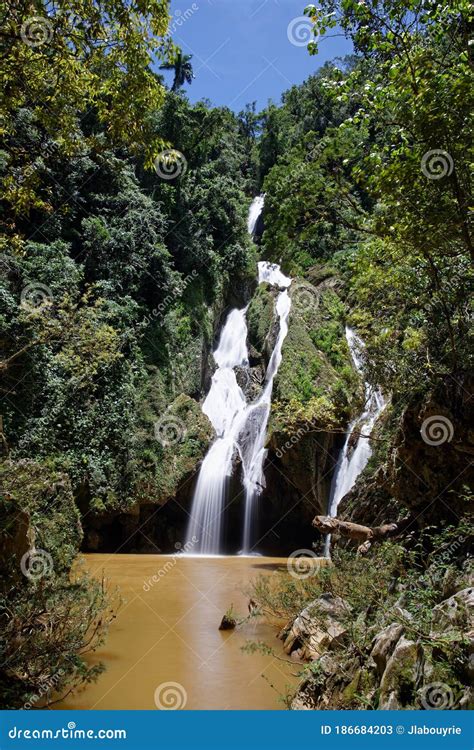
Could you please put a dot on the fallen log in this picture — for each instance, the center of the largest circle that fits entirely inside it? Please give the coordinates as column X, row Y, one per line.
column 329, row 525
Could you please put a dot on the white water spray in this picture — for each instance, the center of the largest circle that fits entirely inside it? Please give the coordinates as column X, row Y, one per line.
column 239, row 426
column 351, row 463
column 252, row 436
column 256, row 208
column 223, row 405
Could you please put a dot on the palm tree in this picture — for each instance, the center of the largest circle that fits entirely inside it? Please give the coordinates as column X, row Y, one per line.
column 183, row 70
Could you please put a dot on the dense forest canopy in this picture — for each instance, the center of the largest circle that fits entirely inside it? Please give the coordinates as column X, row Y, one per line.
column 124, row 240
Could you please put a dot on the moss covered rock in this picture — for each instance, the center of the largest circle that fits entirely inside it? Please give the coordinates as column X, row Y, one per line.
column 38, row 508
column 316, row 361
column 173, row 444
column 315, row 393
column 261, row 321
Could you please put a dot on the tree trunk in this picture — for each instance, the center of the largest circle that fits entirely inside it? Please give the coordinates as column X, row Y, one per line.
column 328, row 525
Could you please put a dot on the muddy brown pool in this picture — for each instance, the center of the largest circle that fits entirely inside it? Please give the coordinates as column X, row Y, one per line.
column 167, row 632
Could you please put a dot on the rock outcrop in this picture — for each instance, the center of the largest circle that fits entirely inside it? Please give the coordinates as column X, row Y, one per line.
column 315, row 391
column 430, row 448
column 37, row 511
column 396, row 671
column 319, row 627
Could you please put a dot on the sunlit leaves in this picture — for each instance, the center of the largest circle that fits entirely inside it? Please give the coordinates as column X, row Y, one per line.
column 68, row 60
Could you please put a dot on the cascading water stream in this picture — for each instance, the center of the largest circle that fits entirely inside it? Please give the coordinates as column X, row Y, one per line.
column 351, row 463
column 239, row 426
column 251, row 439
column 255, row 210
column 223, row 404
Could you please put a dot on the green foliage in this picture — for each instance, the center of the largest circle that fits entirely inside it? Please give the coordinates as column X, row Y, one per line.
column 130, row 270
column 49, row 619
column 260, row 316
column 71, row 57
column 328, row 336
column 381, row 183
column 55, row 623
column 45, row 496
column 171, row 442
column 315, row 384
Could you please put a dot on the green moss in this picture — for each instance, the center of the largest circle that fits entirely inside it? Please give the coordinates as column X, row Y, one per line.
column 352, row 689
column 316, row 362
column 172, row 442
column 260, row 315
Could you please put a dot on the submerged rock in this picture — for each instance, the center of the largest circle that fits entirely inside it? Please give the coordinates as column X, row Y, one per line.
column 228, row 621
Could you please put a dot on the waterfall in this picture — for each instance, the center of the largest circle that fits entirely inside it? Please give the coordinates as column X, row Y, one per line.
column 223, row 405
column 239, row 426
column 251, row 438
column 351, row 463
column 255, row 210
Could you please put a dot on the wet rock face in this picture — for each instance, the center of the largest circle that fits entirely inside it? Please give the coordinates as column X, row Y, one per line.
column 259, row 226
column 431, row 450
column 250, row 380
column 300, row 468
column 262, row 324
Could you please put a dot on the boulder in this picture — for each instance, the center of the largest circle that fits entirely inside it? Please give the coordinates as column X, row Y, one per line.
column 18, row 536
column 228, row 622
column 401, row 675
column 384, row 644
column 318, row 627
column 457, row 611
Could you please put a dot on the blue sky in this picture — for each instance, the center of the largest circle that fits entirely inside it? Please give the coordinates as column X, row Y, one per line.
column 242, row 51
